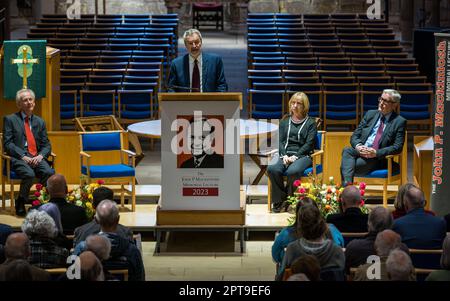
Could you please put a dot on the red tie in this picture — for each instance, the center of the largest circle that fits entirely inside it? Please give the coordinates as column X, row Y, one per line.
column 377, row 139
column 30, row 138
column 196, row 77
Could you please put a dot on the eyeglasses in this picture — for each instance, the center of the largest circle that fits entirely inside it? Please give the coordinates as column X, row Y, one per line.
column 381, row 99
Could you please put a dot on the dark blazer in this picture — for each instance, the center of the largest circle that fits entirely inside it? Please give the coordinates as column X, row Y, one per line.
column 72, row 216
column 82, row 232
column 420, row 230
column 213, row 75
column 210, row 161
column 393, row 135
column 307, row 137
column 14, row 137
column 352, row 220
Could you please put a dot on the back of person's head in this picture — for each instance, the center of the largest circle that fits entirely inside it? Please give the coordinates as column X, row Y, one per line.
column 54, row 212
column 90, row 267
column 18, row 270
column 414, row 198
column 100, row 194
column 39, row 224
column 399, row 266
column 298, row 277
column 380, row 219
column 310, row 223
column 17, row 246
column 107, row 214
column 57, row 186
column 399, row 202
column 300, row 203
column 445, row 257
column 307, row 265
column 99, row 245
column 386, row 241
column 351, row 197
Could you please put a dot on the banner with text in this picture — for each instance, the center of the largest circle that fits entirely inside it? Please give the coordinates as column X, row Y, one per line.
column 440, row 188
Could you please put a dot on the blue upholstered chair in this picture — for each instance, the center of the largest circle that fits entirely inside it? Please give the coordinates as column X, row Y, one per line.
column 113, row 172
column 317, row 166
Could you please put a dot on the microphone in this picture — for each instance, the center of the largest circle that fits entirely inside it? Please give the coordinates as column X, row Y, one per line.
column 189, row 89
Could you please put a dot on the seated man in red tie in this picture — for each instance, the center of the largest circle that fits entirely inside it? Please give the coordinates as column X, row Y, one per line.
column 380, row 133
column 25, row 140
column 196, row 71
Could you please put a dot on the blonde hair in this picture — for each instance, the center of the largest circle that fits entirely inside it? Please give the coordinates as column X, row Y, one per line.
column 303, row 98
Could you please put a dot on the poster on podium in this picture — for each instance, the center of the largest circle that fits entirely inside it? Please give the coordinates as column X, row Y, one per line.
column 200, row 154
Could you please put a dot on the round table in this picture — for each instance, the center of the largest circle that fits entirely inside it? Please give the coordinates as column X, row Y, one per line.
column 249, row 128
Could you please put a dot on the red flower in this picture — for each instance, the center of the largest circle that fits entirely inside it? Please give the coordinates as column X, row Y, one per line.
column 297, row 183
column 362, row 185
column 329, row 190
column 302, row 190
column 36, row 203
column 100, row 182
column 39, row 187
column 37, row 194
column 361, row 203
column 362, row 192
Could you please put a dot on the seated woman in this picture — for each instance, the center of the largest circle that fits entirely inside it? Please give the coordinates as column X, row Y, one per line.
column 312, row 229
column 399, row 203
column 297, row 134
column 290, row 233
column 41, row 230
column 60, row 238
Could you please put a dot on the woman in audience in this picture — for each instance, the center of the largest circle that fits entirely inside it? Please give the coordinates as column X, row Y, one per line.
column 444, row 274
column 290, row 233
column 297, row 135
column 312, row 229
column 307, row 265
column 399, row 203
column 41, row 230
column 53, row 210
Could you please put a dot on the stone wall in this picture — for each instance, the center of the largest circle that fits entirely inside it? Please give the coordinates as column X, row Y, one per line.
column 118, row 6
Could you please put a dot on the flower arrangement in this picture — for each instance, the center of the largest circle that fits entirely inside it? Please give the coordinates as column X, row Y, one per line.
column 327, row 197
column 80, row 196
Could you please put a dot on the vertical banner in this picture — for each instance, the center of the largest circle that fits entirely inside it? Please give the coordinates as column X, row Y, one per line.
column 440, row 188
column 24, row 66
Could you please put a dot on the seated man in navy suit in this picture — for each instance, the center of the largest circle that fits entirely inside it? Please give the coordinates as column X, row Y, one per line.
column 196, row 71
column 25, row 140
column 418, row 229
column 379, row 134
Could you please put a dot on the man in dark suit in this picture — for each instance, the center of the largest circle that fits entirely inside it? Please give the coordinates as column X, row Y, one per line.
column 25, row 140
column 380, row 133
column 203, row 155
column 196, row 71
column 352, row 219
column 72, row 216
column 418, row 229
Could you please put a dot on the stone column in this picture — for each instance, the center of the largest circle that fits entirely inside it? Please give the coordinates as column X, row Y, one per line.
column 407, row 20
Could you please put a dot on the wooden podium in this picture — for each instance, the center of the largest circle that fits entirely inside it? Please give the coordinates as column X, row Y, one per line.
column 423, row 162
column 47, row 108
column 223, row 211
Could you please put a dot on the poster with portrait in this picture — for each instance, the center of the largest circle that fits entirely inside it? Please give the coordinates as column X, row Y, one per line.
column 200, row 154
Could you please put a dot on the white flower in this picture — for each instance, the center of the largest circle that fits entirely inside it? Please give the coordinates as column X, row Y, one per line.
column 324, row 201
column 331, row 179
column 324, row 186
column 79, row 203
column 333, row 190
column 78, row 196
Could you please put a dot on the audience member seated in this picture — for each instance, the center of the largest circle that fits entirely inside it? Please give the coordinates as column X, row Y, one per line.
column 352, row 219
column 290, row 233
column 107, row 215
column 444, row 274
column 41, row 231
column 17, row 247
column 399, row 266
column 312, row 228
column 18, row 270
column 5, row 231
column 92, row 227
column 385, row 242
column 101, row 247
column 298, row 277
column 52, row 210
column 72, row 216
column 91, row 267
column 399, row 203
column 418, row 229
column 2, row 254
column 447, row 220
column 307, row 265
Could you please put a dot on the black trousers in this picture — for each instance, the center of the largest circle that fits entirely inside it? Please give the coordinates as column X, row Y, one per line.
column 27, row 173
column 294, row 171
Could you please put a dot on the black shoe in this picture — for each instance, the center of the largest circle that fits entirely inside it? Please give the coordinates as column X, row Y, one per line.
column 20, row 207
column 276, row 208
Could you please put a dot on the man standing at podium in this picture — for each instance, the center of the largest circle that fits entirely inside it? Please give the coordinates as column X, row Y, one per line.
column 196, row 71
column 25, row 140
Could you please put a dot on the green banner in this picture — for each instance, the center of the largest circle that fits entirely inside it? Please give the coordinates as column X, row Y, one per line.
column 24, row 66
